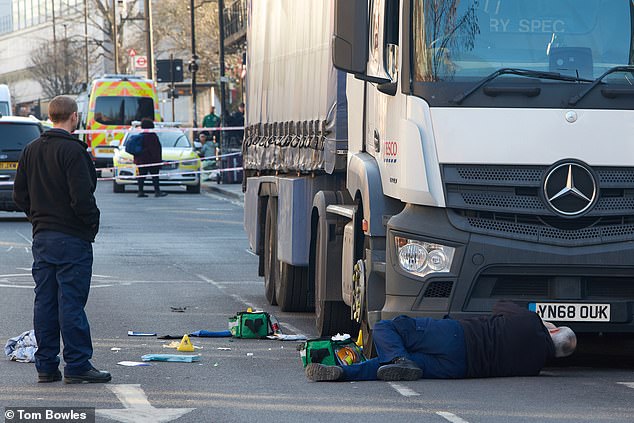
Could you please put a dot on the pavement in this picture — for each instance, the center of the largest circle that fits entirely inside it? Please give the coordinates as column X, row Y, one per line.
column 233, row 191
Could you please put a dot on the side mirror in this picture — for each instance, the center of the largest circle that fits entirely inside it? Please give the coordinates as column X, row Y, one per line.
column 197, row 145
column 350, row 37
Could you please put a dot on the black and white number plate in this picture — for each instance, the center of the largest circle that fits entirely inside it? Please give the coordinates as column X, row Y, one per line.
column 567, row 312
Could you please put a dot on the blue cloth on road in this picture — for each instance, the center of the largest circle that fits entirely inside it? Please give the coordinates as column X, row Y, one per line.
column 62, row 269
column 209, row 334
column 22, row 347
column 436, row 346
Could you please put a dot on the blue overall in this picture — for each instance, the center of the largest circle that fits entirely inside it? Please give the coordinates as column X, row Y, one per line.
column 436, row 346
column 62, row 269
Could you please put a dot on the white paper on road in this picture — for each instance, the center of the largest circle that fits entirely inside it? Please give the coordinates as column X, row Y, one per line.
column 283, row 337
column 133, row 363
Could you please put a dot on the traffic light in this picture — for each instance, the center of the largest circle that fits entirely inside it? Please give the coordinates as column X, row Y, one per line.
column 165, row 74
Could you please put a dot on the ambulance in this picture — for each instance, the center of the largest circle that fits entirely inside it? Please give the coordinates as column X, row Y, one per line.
column 111, row 104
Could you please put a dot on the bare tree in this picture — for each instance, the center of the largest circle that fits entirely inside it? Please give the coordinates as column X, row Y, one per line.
column 101, row 17
column 172, row 32
column 61, row 74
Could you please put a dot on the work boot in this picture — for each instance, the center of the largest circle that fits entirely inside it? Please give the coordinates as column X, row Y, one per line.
column 401, row 368
column 49, row 377
column 141, row 194
column 322, row 373
column 91, row 376
column 160, row 194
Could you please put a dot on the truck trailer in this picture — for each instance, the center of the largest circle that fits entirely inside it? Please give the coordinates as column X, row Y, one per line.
column 431, row 157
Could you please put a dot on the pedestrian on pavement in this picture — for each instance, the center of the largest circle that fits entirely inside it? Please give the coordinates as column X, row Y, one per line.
column 54, row 186
column 149, row 160
column 513, row 341
column 209, row 152
column 212, row 120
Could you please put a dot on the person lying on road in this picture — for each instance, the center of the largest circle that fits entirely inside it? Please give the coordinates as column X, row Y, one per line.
column 513, row 341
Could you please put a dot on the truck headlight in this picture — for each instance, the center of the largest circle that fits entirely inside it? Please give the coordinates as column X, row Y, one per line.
column 422, row 258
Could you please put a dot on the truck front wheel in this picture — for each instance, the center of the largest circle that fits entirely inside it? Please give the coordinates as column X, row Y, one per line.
column 331, row 317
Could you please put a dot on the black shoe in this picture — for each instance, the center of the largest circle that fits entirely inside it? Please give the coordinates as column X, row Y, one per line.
column 160, row 194
column 91, row 376
column 400, row 369
column 322, row 373
column 49, row 377
column 141, row 195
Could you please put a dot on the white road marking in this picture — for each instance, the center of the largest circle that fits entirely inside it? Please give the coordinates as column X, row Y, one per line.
column 236, row 297
column 26, row 249
column 24, row 238
column 403, row 390
column 221, row 286
column 9, row 249
column 2, row 285
column 137, row 407
column 250, row 252
column 628, row 384
column 451, row 417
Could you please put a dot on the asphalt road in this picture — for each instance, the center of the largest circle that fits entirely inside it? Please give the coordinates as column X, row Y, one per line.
column 188, row 250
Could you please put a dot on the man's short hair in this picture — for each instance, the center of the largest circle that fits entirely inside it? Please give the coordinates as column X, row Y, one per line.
column 60, row 108
column 565, row 341
column 147, row 124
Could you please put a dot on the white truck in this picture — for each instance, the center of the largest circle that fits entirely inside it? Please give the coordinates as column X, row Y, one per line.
column 430, row 158
column 6, row 108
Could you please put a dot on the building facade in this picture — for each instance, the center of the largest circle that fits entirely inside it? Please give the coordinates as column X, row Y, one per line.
column 25, row 25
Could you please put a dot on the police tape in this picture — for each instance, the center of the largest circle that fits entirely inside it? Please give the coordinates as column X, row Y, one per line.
column 168, row 174
column 220, row 156
column 169, row 129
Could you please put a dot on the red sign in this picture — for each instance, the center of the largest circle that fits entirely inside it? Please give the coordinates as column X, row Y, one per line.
column 140, row 62
column 132, row 52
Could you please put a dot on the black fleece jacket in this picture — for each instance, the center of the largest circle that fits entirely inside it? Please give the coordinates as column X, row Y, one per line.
column 55, row 185
column 513, row 341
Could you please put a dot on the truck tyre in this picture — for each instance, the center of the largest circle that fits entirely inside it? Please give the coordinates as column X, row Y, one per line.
column 331, row 317
column 292, row 290
column 271, row 264
column 117, row 188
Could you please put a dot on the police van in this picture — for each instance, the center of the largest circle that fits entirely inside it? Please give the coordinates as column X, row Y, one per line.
column 111, row 104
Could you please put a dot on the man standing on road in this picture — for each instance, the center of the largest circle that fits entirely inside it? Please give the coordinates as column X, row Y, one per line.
column 54, row 186
column 513, row 341
column 152, row 153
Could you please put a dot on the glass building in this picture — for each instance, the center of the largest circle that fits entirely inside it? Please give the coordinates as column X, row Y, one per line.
column 22, row 14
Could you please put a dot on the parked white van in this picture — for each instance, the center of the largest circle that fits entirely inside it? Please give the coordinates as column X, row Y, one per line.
column 5, row 101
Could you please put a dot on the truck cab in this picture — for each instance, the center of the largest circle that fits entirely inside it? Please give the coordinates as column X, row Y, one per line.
column 502, row 135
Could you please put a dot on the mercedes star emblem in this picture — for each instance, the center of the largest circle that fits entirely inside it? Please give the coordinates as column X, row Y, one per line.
column 570, row 189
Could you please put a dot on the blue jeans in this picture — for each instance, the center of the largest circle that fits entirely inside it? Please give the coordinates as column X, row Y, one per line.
column 436, row 346
column 62, row 269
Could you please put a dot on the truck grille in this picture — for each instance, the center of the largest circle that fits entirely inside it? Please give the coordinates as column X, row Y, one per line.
column 518, row 287
column 506, row 201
